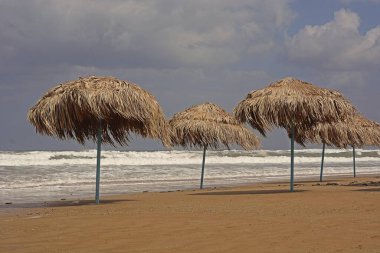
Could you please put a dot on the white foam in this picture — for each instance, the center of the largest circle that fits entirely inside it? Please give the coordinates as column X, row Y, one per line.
column 40, row 175
column 56, row 158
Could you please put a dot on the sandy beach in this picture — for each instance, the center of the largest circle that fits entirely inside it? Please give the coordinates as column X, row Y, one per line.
column 339, row 215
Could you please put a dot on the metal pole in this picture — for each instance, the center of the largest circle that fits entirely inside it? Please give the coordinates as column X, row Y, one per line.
column 292, row 161
column 99, row 144
column 203, row 166
column 322, row 162
column 353, row 155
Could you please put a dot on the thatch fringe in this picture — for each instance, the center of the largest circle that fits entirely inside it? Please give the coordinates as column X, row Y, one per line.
column 209, row 125
column 291, row 102
column 356, row 132
column 74, row 110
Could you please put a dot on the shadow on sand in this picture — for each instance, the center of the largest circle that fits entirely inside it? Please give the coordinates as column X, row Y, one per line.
column 254, row 192
column 368, row 190
column 62, row 203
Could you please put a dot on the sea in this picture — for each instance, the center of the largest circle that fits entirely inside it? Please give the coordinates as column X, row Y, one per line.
column 38, row 176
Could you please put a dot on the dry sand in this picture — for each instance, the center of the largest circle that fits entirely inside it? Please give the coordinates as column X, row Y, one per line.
column 258, row 218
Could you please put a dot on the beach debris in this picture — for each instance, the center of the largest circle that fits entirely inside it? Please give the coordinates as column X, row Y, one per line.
column 330, row 184
column 367, row 183
column 34, row 217
column 8, row 203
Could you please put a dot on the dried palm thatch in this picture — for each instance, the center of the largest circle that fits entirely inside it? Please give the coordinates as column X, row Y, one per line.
column 208, row 125
column 356, row 132
column 102, row 109
column 74, row 109
column 294, row 105
column 370, row 131
column 290, row 102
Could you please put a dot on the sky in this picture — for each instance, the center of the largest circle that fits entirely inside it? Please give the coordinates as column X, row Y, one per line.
column 185, row 52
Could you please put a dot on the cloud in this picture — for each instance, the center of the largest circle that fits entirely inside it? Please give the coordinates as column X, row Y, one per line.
column 182, row 87
column 138, row 33
column 175, row 90
column 336, row 45
column 183, row 51
column 359, row 1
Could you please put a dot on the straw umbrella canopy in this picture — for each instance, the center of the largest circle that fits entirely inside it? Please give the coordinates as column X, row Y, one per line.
column 371, row 132
column 294, row 105
column 357, row 131
column 207, row 125
column 101, row 109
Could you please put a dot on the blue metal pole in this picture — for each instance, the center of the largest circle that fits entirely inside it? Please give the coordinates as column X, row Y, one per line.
column 322, row 162
column 203, row 166
column 292, row 161
column 353, row 155
column 99, row 144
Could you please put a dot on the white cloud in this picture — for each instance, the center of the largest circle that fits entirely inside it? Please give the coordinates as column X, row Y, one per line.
column 144, row 33
column 336, row 45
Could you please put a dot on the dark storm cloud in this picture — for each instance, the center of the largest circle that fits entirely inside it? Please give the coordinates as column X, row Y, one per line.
column 184, row 52
column 158, row 34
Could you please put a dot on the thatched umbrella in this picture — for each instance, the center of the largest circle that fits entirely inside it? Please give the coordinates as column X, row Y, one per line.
column 357, row 131
column 294, row 105
column 101, row 109
column 209, row 126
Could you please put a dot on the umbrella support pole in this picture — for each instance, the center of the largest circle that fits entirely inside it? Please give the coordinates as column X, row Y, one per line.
column 354, row 162
column 292, row 161
column 203, row 166
column 98, row 154
column 322, row 162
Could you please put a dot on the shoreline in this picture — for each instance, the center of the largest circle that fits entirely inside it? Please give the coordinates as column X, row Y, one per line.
column 333, row 216
column 87, row 198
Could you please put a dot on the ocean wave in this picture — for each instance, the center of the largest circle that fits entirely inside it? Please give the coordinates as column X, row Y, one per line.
column 36, row 175
column 56, row 158
column 59, row 157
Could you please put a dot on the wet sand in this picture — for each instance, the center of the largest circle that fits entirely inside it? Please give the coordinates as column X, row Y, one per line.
column 334, row 216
